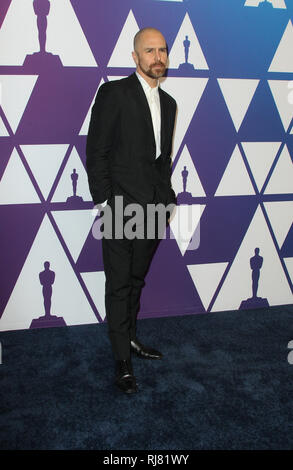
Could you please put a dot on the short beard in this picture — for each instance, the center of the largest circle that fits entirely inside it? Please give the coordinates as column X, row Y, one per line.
column 150, row 73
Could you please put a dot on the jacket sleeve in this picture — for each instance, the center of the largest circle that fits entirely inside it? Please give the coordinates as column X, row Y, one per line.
column 101, row 137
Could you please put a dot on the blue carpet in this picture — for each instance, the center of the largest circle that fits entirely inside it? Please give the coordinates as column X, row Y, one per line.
column 224, row 383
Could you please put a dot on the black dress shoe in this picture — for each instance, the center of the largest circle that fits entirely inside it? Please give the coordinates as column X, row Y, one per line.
column 125, row 379
column 143, row 351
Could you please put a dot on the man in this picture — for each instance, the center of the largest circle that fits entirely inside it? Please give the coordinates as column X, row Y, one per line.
column 128, row 155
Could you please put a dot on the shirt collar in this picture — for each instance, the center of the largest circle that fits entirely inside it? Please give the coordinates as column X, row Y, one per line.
column 145, row 84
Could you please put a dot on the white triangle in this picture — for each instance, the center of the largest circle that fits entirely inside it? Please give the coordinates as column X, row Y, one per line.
column 283, row 60
column 235, row 180
column 66, row 38
column 26, row 300
column 260, row 156
column 185, row 226
column 280, row 92
column 85, row 127
column 121, row 55
column 281, row 181
column 187, row 102
column 64, row 188
column 15, row 186
column 18, row 34
column 193, row 185
column 64, row 35
column 16, row 92
column 195, row 56
column 206, row 278
column 273, row 284
column 289, row 266
column 280, row 214
column 95, row 283
column 238, row 94
column 74, row 226
column 3, row 130
column 44, row 162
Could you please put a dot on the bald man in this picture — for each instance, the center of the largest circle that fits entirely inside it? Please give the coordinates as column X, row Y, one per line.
column 129, row 158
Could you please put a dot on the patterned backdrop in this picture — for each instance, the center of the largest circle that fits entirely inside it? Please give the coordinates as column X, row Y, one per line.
column 231, row 73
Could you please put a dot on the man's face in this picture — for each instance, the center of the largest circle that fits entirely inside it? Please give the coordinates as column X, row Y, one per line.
column 151, row 54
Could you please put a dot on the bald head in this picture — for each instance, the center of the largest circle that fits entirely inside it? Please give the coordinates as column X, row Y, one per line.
column 143, row 34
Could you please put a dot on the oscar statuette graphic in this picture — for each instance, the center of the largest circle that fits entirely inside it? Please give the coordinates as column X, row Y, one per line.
column 47, row 279
column 266, row 4
column 42, row 58
column 186, row 66
column 256, row 263
column 74, row 200
column 184, row 197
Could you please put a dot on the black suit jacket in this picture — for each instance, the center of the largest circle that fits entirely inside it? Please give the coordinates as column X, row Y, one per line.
column 121, row 148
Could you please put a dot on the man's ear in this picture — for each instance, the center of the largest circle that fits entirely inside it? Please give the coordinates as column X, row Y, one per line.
column 135, row 58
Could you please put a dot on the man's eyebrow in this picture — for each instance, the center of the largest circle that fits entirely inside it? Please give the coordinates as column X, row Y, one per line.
column 152, row 47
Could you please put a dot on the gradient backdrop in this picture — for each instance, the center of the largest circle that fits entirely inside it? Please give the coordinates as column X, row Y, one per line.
column 233, row 83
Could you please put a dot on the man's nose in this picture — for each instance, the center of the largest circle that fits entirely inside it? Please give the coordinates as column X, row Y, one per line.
column 158, row 56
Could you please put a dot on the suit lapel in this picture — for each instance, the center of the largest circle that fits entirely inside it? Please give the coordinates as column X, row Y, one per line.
column 142, row 102
column 163, row 105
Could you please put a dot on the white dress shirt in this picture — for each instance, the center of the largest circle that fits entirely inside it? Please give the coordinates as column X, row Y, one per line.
column 153, row 98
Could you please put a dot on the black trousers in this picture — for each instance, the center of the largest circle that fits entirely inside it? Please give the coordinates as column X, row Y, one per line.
column 126, row 263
